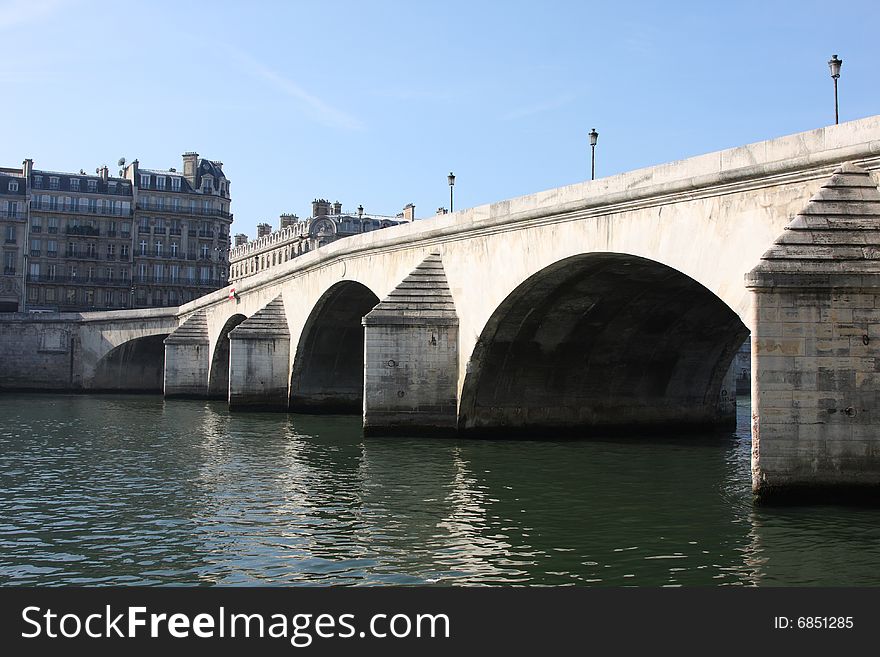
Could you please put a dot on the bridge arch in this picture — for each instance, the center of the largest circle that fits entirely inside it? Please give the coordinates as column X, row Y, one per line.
column 137, row 365
column 328, row 368
column 602, row 342
column 218, row 375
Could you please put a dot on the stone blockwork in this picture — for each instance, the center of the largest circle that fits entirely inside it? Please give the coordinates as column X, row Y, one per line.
column 411, row 354
column 816, row 371
column 186, row 358
column 259, row 356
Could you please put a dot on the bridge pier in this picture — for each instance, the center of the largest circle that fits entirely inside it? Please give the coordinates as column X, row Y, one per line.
column 411, row 357
column 815, row 370
column 259, row 360
column 186, row 358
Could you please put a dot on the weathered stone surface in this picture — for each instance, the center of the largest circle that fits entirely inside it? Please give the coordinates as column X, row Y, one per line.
column 186, row 358
column 815, row 384
column 411, row 354
column 259, row 356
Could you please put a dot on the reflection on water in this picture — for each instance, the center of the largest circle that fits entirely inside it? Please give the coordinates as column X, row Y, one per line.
column 137, row 490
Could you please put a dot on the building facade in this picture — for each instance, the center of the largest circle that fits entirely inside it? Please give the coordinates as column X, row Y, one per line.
column 296, row 236
column 145, row 238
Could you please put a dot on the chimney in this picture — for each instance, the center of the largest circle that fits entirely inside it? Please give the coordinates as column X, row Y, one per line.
column 105, row 173
column 337, row 208
column 191, row 168
column 263, row 230
column 320, row 207
column 240, row 239
column 409, row 212
column 288, row 220
column 27, row 168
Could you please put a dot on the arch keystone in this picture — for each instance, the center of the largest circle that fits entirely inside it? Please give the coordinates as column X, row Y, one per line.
column 259, row 357
column 411, row 356
column 186, row 358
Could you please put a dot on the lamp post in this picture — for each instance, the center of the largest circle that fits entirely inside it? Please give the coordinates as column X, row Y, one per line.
column 834, row 64
column 594, row 137
column 451, row 179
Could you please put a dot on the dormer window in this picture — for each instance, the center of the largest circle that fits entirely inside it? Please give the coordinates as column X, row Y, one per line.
column 145, row 181
column 160, row 182
column 93, row 186
column 74, row 184
column 54, row 182
column 207, row 184
column 175, row 184
column 13, row 185
column 38, row 182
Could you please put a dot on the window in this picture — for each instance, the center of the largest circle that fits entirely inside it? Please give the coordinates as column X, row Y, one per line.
column 36, row 224
column 9, row 262
column 52, row 248
column 205, row 274
column 204, row 251
column 157, row 272
column 35, row 247
column 175, row 184
column 207, row 184
column 142, row 271
column 126, row 229
column 123, row 274
column 93, row 186
column 34, row 270
column 90, row 274
column 159, row 249
column 53, row 224
column 74, row 184
column 54, row 182
column 145, row 180
column 13, row 185
column 175, row 273
column 143, row 247
column 123, row 251
column 33, row 294
column 38, row 182
column 50, row 293
column 173, row 249
column 93, row 205
column 111, row 187
column 160, row 182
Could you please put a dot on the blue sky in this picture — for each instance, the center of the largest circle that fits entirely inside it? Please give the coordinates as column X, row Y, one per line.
column 375, row 102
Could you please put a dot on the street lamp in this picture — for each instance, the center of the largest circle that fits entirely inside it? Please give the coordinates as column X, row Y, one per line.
column 594, row 137
column 451, row 179
column 834, row 64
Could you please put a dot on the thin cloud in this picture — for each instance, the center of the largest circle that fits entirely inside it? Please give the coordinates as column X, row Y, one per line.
column 530, row 110
column 14, row 13
column 311, row 105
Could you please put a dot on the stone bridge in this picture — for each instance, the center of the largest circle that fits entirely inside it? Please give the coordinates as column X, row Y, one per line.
column 607, row 306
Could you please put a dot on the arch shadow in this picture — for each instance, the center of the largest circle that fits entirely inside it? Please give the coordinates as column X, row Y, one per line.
column 134, row 366
column 218, row 376
column 603, row 343
column 328, row 369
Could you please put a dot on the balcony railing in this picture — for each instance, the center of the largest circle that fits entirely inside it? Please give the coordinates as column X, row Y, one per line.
column 15, row 215
column 9, row 270
column 78, row 280
column 88, row 231
column 75, row 209
column 195, row 212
